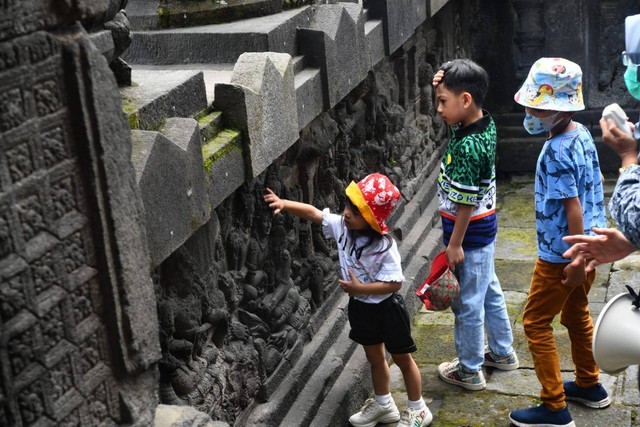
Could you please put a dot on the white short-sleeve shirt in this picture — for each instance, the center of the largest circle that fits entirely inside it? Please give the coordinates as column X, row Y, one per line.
column 373, row 265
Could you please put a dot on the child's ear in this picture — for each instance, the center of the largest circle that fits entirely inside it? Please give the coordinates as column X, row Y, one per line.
column 467, row 99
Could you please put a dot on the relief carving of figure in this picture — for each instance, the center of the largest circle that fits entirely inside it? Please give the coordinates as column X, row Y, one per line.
column 192, row 328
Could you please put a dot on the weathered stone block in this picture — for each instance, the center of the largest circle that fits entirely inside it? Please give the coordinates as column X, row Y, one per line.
column 221, row 43
column 158, row 94
column 224, row 165
column 335, row 42
column 170, row 176
column 309, row 94
column 374, row 34
column 400, row 19
column 266, row 83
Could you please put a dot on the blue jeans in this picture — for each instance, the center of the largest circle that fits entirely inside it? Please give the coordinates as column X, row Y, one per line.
column 481, row 304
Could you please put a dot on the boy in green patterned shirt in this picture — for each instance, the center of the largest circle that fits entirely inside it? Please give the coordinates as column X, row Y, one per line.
column 467, row 196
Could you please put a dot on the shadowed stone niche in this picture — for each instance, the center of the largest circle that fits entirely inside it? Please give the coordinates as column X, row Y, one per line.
column 78, row 334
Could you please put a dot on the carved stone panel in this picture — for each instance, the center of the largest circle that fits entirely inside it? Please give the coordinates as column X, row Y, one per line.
column 57, row 335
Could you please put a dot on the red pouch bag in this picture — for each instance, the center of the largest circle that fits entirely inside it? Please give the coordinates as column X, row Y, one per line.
column 441, row 288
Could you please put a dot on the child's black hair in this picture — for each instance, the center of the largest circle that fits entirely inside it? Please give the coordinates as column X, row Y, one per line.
column 352, row 235
column 464, row 75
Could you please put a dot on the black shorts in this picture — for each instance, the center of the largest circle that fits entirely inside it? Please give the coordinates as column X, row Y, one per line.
column 387, row 322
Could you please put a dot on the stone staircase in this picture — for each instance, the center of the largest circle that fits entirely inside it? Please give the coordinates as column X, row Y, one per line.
column 518, row 151
column 309, row 57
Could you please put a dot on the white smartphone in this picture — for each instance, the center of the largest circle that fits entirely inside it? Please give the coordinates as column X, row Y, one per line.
column 617, row 114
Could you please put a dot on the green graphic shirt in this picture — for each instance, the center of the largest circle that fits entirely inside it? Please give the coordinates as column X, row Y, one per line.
column 468, row 177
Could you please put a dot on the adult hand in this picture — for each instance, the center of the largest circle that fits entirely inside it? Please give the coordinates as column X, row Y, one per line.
column 621, row 142
column 609, row 245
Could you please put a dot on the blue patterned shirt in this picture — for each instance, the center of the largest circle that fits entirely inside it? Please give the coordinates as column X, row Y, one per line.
column 567, row 167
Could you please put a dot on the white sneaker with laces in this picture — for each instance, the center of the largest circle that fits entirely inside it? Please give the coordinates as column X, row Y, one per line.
column 373, row 413
column 415, row 417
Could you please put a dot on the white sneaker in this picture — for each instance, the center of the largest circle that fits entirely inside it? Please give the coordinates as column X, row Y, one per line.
column 373, row 413
column 452, row 373
column 415, row 418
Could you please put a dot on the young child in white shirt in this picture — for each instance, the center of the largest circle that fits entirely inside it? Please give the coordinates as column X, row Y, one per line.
column 372, row 274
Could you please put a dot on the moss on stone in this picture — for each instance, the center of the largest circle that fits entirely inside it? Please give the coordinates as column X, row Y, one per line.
column 224, row 143
column 520, row 240
column 134, row 121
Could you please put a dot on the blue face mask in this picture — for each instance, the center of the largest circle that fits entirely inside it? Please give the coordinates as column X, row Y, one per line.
column 631, row 80
column 535, row 125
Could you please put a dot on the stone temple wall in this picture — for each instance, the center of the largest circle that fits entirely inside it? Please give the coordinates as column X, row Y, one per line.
column 250, row 314
column 138, row 263
column 79, row 340
column 141, row 267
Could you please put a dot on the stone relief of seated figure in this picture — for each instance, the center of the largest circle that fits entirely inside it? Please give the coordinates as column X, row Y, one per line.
column 192, row 328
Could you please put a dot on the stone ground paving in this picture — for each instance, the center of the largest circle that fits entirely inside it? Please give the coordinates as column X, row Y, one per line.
column 515, row 256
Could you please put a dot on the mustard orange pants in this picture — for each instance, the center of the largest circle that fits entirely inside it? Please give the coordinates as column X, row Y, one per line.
column 548, row 297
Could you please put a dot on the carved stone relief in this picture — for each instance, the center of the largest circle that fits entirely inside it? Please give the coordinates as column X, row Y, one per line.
column 60, row 353
column 233, row 325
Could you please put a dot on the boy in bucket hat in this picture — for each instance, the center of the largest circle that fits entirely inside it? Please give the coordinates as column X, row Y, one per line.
column 371, row 275
column 569, row 200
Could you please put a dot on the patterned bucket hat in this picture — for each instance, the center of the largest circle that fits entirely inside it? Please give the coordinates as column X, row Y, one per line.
column 441, row 288
column 376, row 197
column 552, row 84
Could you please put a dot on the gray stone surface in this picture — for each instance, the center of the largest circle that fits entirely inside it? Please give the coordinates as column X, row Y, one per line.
column 224, row 166
column 334, row 41
column 222, row 43
column 266, row 80
column 374, row 35
column 78, row 320
column 158, row 94
column 170, row 176
column 309, row 95
column 400, row 18
column 183, row 416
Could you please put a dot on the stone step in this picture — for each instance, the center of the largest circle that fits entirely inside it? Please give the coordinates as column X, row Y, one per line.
column 218, row 43
column 149, row 14
column 273, row 411
column 210, row 124
column 159, row 94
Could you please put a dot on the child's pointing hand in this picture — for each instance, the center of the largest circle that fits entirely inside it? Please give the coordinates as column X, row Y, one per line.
column 275, row 202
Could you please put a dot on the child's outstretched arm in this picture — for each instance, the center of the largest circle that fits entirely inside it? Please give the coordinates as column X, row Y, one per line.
column 302, row 210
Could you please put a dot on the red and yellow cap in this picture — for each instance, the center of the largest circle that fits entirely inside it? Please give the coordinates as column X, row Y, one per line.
column 376, row 197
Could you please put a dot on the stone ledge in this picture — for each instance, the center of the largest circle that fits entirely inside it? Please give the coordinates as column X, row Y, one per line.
column 221, row 43
column 159, row 94
column 170, row 176
column 224, row 165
